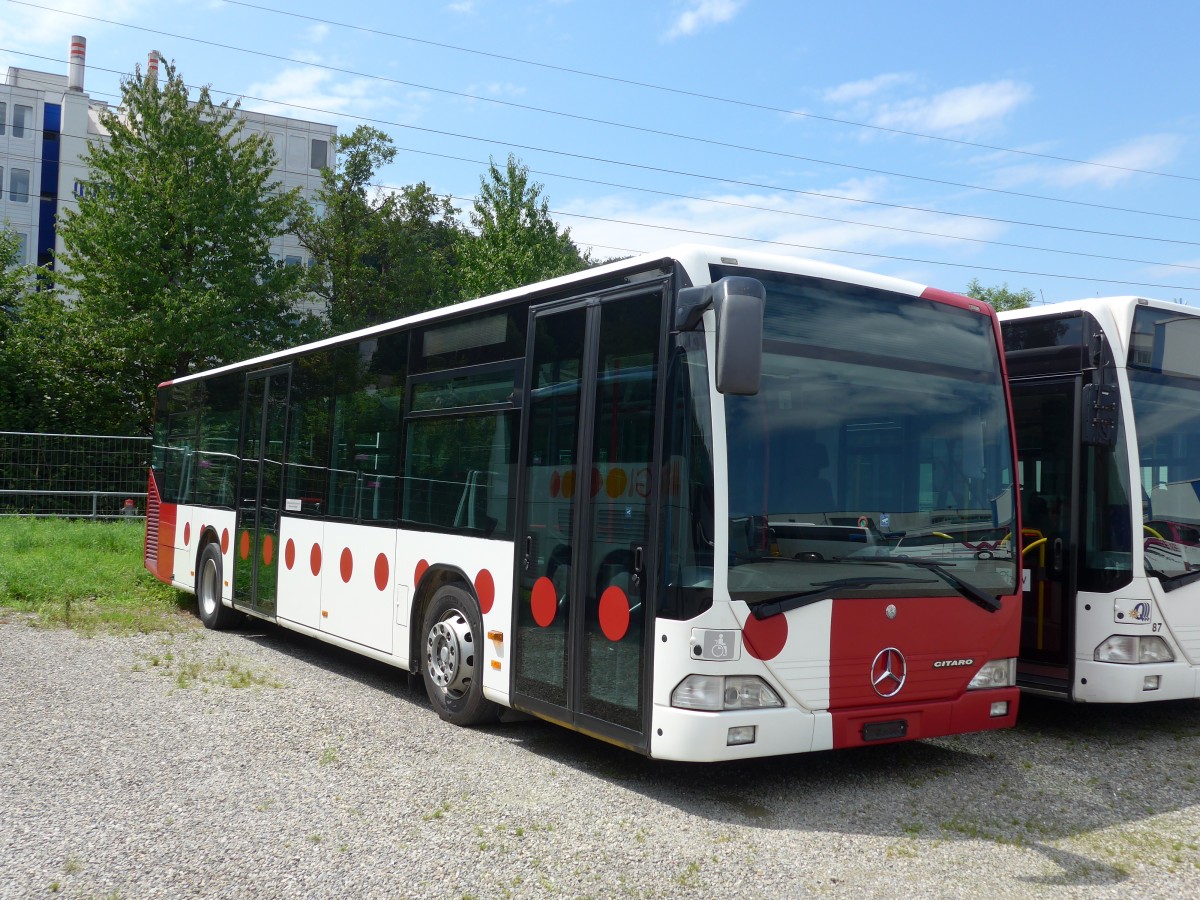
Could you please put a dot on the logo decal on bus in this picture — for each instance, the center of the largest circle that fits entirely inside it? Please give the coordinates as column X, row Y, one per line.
column 953, row 663
column 888, row 672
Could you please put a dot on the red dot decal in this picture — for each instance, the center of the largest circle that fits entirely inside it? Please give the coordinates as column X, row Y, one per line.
column 419, row 572
column 544, row 601
column 765, row 637
column 268, row 550
column 289, row 553
column 244, row 545
column 225, row 541
column 614, row 613
column 381, row 572
column 347, row 564
column 314, row 559
column 187, row 534
column 485, row 590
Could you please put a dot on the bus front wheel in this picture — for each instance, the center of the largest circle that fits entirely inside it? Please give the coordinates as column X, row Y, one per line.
column 213, row 613
column 452, row 658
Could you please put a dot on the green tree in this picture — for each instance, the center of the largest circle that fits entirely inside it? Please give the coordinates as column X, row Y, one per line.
column 378, row 254
column 167, row 258
column 1000, row 298
column 18, row 393
column 516, row 241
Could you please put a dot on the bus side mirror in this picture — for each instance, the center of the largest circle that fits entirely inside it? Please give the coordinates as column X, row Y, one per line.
column 1099, row 426
column 739, row 303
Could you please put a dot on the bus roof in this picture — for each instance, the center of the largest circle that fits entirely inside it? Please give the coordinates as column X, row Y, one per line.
column 695, row 260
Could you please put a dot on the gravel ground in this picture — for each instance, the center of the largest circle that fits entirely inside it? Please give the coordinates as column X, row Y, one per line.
column 259, row 763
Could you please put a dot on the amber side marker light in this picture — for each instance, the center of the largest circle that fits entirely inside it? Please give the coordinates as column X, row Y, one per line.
column 497, row 636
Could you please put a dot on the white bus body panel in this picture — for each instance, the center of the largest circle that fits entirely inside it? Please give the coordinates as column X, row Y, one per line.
column 190, row 524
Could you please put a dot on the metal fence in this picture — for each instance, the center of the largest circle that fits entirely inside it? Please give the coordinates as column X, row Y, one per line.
column 73, row 475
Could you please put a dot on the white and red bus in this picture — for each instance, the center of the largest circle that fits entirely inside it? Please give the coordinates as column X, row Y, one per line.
column 661, row 502
column 1106, row 397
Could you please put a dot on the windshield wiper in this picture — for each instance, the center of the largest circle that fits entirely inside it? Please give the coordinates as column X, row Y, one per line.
column 972, row 593
column 767, row 608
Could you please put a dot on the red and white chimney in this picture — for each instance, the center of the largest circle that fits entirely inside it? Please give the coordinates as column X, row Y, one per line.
column 152, row 60
column 76, row 62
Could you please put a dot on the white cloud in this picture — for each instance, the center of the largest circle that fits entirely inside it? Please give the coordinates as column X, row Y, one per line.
column 799, row 225
column 315, row 94
column 316, row 34
column 956, row 111
column 702, row 13
column 855, row 91
column 1153, row 152
column 495, row 89
column 464, row 7
column 46, row 31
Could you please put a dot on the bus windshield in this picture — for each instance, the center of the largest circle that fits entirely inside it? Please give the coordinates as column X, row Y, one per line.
column 875, row 461
column 1164, row 381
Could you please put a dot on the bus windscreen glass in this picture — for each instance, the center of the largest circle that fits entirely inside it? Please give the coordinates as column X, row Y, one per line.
column 877, row 447
column 1164, row 381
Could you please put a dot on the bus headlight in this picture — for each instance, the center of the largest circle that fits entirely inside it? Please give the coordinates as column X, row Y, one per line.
column 1131, row 649
column 714, row 693
column 995, row 673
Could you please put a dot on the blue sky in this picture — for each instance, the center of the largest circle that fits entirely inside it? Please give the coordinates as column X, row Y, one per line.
column 924, row 186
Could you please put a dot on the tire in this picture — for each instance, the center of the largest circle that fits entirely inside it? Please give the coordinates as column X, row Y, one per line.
column 452, row 658
column 213, row 613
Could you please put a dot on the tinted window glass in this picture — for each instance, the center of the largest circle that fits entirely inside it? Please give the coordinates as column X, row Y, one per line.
column 366, row 426
column 307, row 477
column 220, row 421
column 471, row 341
column 459, row 472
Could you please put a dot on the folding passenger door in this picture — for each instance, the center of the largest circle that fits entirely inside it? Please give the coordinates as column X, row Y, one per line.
column 587, row 512
column 260, row 490
column 1046, row 411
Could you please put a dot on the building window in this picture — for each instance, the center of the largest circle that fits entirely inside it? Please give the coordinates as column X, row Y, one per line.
column 292, row 260
column 295, row 154
column 3, row 117
column 320, row 154
column 22, row 117
column 18, row 184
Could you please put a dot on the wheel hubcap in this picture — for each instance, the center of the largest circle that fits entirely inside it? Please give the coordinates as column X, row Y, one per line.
column 208, row 594
column 450, row 655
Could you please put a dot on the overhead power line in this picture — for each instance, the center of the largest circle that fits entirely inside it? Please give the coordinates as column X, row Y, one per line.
column 723, row 236
column 668, row 171
column 749, row 104
column 614, row 124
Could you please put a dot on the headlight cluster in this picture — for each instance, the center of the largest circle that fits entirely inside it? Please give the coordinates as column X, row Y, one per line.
column 996, row 673
column 1131, row 649
column 714, row 693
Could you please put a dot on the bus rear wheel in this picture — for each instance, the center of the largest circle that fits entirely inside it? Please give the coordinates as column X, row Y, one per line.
column 452, row 658
column 213, row 613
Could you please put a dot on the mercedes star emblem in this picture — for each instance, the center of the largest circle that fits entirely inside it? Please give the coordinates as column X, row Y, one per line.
column 888, row 672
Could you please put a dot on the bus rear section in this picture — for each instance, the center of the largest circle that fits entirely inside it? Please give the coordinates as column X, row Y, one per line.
column 839, row 565
column 1106, row 395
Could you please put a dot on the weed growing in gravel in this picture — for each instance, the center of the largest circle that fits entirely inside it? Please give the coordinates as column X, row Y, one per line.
column 188, row 670
column 902, row 850
column 437, row 813
column 690, row 876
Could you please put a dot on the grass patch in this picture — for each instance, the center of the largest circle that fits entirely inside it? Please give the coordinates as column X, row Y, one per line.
column 188, row 670
column 85, row 575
